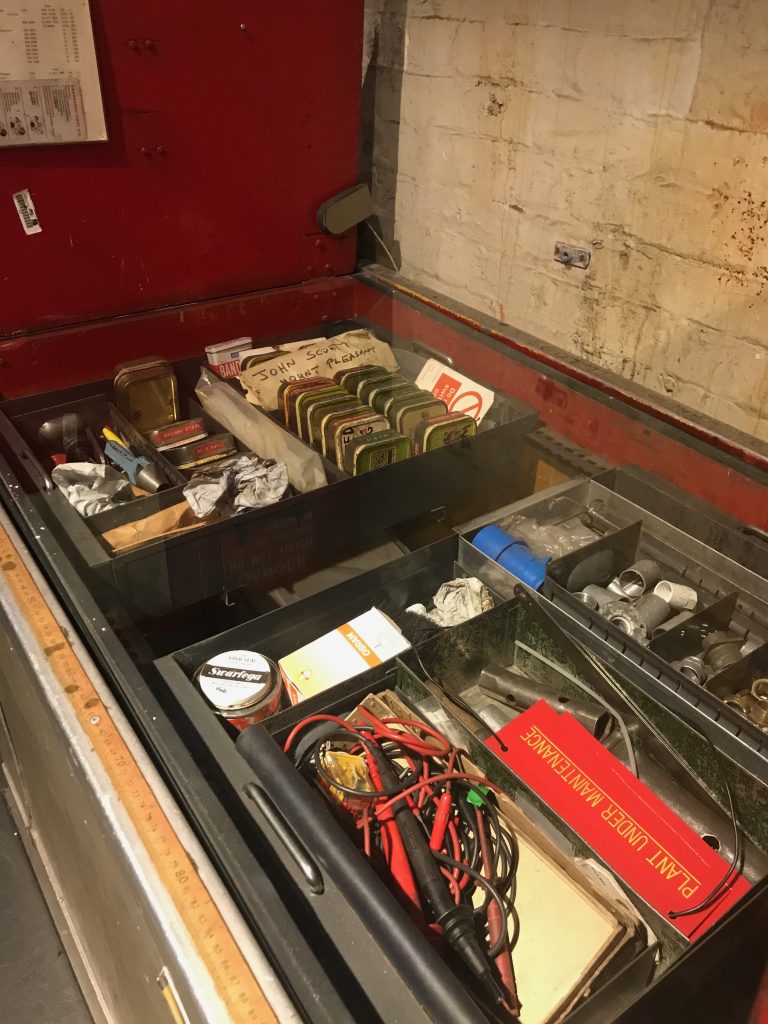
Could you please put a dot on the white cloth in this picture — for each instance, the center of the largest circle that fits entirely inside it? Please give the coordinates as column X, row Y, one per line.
column 92, row 487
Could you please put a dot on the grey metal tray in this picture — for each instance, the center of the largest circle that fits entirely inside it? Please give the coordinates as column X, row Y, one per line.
column 711, row 572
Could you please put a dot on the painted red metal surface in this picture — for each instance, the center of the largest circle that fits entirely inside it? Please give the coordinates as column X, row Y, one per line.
column 50, row 360
column 226, row 132
column 596, row 421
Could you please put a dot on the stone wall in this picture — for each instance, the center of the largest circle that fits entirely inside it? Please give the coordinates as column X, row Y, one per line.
column 638, row 131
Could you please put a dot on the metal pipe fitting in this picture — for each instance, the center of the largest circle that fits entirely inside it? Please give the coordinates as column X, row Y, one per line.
column 721, row 649
column 652, row 611
column 760, row 690
column 692, row 668
column 600, row 595
column 640, row 577
column 519, row 693
column 677, row 596
column 750, row 645
column 742, row 701
column 588, row 599
column 624, row 616
column 595, row 516
column 758, row 715
column 673, row 623
column 616, row 588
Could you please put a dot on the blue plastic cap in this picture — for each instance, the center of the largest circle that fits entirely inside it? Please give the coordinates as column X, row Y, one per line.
column 493, row 541
column 521, row 562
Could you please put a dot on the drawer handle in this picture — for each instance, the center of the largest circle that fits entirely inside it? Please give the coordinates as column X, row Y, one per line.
column 288, row 837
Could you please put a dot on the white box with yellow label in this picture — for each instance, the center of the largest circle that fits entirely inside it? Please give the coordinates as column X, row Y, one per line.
column 347, row 651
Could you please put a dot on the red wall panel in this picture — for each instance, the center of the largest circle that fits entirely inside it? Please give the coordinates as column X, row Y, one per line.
column 255, row 108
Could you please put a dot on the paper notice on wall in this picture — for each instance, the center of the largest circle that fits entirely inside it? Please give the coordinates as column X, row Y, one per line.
column 458, row 392
column 49, row 80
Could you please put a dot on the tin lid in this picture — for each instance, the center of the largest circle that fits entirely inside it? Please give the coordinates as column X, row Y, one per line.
column 146, row 392
column 229, row 346
column 236, row 679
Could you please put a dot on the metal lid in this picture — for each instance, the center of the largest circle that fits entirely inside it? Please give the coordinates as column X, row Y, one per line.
column 236, row 679
column 182, row 202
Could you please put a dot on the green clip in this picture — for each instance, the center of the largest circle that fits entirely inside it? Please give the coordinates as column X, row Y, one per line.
column 474, row 796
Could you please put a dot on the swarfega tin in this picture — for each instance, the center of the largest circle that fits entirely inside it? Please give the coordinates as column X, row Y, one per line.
column 242, row 687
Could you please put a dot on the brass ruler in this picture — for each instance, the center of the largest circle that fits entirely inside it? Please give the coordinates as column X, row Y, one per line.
column 231, row 975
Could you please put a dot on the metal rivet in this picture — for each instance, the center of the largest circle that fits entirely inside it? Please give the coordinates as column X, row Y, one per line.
column 328, row 268
column 94, row 719
column 160, row 150
column 324, row 318
column 134, row 44
column 145, row 151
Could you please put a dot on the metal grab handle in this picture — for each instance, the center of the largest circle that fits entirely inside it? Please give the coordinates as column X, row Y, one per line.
column 288, row 837
column 18, row 445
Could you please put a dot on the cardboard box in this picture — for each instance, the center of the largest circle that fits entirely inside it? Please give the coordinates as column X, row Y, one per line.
column 347, row 651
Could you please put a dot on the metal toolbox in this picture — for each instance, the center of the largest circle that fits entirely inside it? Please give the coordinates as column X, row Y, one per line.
column 309, row 855
column 731, row 596
column 266, row 547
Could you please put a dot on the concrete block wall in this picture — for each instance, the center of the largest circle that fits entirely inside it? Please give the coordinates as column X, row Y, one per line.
column 638, row 131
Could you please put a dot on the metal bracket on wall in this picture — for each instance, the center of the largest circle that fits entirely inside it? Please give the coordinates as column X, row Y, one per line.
column 571, row 256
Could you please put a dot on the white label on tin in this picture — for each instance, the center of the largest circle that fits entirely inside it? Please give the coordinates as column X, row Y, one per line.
column 27, row 212
column 235, row 679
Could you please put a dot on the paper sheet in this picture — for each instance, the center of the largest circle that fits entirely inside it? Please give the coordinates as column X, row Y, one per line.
column 49, row 80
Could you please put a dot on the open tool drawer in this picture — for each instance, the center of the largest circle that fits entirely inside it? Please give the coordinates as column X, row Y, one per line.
column 412, row 579
column 730, row 597
column 312, row 858
column 265, row 547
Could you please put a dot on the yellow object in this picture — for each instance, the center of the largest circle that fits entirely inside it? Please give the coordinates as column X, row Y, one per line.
column 110, row 435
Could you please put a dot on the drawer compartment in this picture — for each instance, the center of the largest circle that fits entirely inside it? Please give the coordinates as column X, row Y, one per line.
column 730, row 597
column 272, row 546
